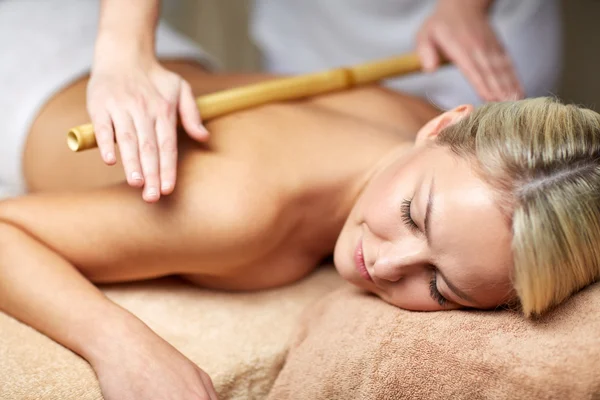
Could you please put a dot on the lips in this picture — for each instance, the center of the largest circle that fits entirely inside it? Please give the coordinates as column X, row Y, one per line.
column 359, row 261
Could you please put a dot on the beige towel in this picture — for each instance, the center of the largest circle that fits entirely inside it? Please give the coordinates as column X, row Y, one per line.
column 239, row 339
column 354, row 346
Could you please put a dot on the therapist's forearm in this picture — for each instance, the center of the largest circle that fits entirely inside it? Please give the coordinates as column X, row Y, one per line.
column 126, row 30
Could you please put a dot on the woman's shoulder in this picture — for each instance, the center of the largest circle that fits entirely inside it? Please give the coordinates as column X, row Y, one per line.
column 236, row 192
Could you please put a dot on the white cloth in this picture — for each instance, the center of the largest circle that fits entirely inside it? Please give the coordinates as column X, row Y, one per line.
column 298, row 36
column 44, row 46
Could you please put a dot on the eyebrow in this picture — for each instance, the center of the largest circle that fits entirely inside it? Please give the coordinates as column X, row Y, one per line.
column 428, row 211
column 426, row 224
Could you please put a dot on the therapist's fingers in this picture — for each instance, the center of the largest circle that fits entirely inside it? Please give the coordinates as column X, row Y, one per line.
column 461, row 32
column 507, row 76
column 189, row 113
column 491, row 72
column 105, row 137
column 487, row 65
column 497, row 67
column 148, row 153
column 460, row 51
column 128, row 147
column 166, row 136
column 426, row 49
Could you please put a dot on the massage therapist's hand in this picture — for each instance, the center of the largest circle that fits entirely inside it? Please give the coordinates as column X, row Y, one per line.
column 138, row 102
column 146, row 367
column 461, row 31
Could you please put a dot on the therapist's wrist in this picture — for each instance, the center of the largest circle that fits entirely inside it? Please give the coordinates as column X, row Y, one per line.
column 114, row 47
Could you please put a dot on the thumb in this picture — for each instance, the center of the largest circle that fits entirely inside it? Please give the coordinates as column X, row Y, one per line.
column 190, row 115
column 427, row 52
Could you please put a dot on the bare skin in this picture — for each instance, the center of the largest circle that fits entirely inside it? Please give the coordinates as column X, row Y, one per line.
column 267, row 179
column 257, row 206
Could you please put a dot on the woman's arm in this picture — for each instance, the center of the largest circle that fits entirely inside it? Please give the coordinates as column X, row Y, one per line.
column 47, row 260
column 43, row 290
column 52, row 245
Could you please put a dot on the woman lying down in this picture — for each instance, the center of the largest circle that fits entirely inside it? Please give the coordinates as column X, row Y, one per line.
column 470, row 208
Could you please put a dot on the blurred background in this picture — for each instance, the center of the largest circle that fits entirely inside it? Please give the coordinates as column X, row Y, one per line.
column 220, row 26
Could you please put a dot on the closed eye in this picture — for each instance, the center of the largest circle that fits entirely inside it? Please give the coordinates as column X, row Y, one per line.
column 410, row 223
column 435, row 293
column 406, row 218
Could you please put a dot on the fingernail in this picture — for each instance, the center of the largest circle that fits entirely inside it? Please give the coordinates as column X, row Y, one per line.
column 165, row 186
column 203, row 129
column 136, row 176
column 152, row 192
column 110, row 157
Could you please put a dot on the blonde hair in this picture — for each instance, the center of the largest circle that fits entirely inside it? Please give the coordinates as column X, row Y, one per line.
column 543, row 159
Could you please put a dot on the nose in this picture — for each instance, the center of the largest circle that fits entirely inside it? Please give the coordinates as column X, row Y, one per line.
column 397, row 260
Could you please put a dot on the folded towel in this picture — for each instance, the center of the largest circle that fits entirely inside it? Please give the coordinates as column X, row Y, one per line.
column 239, row 339
column 351, row 345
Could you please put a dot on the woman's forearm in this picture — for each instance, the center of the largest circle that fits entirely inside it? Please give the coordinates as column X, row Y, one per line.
column 44, row 291
column 126, row 31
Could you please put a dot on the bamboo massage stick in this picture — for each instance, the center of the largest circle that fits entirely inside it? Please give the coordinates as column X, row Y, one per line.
column 278, row 89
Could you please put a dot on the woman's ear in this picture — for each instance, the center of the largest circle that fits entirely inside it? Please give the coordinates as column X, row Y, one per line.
column 431, row 129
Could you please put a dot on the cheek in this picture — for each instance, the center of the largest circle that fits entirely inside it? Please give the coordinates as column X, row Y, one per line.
column 410, row 294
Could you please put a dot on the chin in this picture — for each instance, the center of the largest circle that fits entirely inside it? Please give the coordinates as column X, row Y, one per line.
column 344, row 264
column 340, row 260
column 343, row 255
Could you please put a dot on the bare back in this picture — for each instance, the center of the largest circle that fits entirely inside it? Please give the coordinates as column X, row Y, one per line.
column 261, row 192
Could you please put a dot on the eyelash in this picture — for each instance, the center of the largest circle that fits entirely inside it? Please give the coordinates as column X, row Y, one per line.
column 410, row 223
column 435, row 293
column 406, row 218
